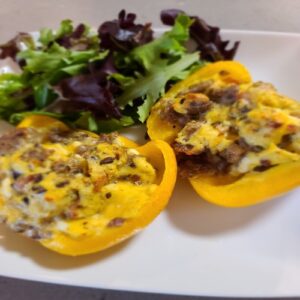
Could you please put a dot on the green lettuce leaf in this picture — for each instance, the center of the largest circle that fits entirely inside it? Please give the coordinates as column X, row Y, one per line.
column 46, row 68
column 58, row 59
column 164, row 59
column 151, row 86
column 135, row 79
column 12, row 92
column 170, row 44
column 124, row 81
column 18, row 117
column 66, row 30
column 106, row 126
column 87, row 121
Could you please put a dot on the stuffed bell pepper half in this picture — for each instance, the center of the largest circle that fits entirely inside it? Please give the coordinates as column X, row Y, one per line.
column 76, row 192
column 237, row 141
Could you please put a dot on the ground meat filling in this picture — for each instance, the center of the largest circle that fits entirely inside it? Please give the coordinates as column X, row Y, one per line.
column 225, row 96
column 232, row 129
column 11, row 140
column 207, row 162
column 187, row 108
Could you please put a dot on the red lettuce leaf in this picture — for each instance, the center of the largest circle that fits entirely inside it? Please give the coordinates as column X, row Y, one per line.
column 104, row 68
column 86, row 93
column 13, row 46
column 207, row 38
column 67, row 41
column 124, row 34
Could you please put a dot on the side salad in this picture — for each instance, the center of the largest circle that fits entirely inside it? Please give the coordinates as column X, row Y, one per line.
column 106, row 79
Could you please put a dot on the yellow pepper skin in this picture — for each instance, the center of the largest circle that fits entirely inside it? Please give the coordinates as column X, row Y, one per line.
column 40, row 121
column 162, row 158
column 159, row 154
column 249, row 189
column 47, row 122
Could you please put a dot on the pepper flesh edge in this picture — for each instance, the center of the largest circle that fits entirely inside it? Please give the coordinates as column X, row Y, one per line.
column 253, row 188
column 159, row 154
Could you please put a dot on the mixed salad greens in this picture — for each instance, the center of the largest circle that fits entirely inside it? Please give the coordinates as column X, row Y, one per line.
column 107, row 79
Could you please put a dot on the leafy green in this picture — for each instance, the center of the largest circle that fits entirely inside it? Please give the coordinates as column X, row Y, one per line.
column 42, row 70
column 66, row 28
column 66, row 33
column 43, row 95
column 88, row 121
column 9, row 84
column 14, row 46
column 48, row 36
column 106, row 126
column 18, row 117
column 124, row 81
column 48, row 64
column 152, row 85
column 67, row 75
column 171, row 43
column 163, row 59
column 12, row 90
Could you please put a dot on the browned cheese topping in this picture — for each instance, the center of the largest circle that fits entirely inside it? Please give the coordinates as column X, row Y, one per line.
column 55, row 180
column 232, row 129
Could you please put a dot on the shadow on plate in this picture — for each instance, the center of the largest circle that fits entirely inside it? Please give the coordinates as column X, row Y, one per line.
column 11, row 241
column 188, row 212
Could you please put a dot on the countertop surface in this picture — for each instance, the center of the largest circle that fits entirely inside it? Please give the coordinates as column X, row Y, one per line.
column 29, row 15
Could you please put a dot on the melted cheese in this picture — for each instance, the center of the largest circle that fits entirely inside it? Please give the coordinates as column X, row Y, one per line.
column 258, row 116
column 77, row 186
column 206, row 136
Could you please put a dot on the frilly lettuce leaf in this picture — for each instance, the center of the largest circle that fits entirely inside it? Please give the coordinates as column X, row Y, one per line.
column 103, row 81
column 151, row 86
column 170, row 44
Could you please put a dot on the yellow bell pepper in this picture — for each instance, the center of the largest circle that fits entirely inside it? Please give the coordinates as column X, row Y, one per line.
column 251, row 189
column 245, row 190
column 159, row 154
column 228, row 71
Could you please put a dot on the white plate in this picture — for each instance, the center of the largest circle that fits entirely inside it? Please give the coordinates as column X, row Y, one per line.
column 193, row 247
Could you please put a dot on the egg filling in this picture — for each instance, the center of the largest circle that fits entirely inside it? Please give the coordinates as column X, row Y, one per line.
column 232, row 129
column 70, row 182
